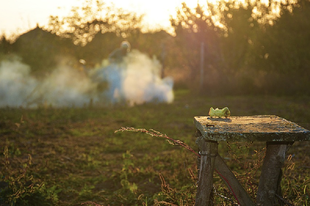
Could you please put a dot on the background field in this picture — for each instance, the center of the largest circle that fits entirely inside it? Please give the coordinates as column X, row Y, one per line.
column 73, row 156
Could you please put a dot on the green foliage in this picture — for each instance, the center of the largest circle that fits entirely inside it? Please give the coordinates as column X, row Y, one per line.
column 285, row 43
column 239, row 35
column 21, row 186
column 40, row 49
column 281, row 50
column 5, row 46
column 84, row 22
column 296, row 186
column 248, row 48
column 127, row 164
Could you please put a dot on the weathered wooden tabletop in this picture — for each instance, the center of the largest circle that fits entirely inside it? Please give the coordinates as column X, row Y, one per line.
column 268, row 128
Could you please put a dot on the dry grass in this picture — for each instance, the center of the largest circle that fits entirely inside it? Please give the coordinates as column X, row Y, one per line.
column 72, row 156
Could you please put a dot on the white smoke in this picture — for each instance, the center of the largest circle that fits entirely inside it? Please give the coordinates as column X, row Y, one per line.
column 137, row 81
column 66, row 87
column 15, row 83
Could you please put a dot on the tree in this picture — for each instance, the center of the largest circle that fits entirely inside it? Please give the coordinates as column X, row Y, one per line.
column 192, row 28
column 83, row 23
column 238, row 35
column 39, row 48
column 5, row 45
column 286, row 44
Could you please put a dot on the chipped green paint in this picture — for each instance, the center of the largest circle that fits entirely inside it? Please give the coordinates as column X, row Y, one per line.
column 250, row 128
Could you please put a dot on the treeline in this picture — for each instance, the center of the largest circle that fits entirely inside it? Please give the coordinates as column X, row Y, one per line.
column 226, row 48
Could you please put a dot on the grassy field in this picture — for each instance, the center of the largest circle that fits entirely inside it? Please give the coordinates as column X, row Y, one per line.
column 72, row 156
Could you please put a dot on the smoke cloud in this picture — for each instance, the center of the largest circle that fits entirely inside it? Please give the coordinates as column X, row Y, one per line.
column 136, row 81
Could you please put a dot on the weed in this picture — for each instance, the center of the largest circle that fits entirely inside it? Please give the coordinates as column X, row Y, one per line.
column 126, row 170
column 155, row 133
column 21, row 187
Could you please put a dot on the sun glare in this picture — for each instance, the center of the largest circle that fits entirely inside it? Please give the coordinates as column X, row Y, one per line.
column 19, row 15
column 157, row 13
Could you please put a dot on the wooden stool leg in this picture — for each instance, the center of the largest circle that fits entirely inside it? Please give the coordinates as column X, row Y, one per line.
column 232, row 183
column 271, row 173
column 208, row 152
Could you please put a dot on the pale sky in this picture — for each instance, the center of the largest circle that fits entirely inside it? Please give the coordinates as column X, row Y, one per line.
column 19, row 16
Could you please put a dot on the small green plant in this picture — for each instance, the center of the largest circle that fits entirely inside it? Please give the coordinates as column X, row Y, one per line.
column 126, row 171
column 20, row 186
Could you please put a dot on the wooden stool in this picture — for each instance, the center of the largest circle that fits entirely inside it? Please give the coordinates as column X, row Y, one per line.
column 277, row 132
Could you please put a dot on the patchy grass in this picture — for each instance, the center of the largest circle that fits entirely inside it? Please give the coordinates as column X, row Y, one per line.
column 72, row 156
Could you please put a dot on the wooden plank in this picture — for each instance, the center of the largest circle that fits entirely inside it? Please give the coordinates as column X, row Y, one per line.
column 232, row 183
column 250, row 128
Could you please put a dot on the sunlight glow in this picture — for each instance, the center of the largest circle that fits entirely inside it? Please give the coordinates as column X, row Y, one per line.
column 19, row 16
